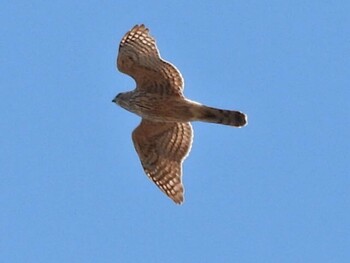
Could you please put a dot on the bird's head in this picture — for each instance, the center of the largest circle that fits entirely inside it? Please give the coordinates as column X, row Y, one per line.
column 122, row 99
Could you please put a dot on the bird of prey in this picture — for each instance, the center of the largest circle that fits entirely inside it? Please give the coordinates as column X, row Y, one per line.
column 164, row 137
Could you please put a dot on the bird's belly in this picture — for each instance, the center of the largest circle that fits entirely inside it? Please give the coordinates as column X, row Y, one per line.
column 169, row 111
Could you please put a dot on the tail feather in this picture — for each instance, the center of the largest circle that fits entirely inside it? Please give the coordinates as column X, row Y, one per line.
column 226, row 117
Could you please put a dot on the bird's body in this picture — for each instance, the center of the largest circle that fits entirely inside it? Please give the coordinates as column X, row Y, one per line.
column 157, row 107
column 164, row 137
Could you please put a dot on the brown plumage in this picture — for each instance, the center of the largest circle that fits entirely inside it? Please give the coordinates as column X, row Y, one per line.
column 164, row 137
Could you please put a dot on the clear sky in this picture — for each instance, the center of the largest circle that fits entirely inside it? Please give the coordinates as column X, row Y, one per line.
column 71, row 185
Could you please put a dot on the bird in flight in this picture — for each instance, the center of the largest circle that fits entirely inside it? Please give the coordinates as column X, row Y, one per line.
column 164, row 137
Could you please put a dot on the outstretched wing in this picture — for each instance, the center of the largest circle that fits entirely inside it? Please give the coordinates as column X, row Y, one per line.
column 139, row 57
column 162, row 147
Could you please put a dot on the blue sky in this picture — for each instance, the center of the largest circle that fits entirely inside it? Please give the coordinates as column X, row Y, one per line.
column 71, row 186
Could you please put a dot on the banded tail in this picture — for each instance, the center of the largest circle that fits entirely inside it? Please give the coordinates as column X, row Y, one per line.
column 226, row 117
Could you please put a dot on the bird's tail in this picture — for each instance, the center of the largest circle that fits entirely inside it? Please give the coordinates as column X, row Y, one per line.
column 226, row 117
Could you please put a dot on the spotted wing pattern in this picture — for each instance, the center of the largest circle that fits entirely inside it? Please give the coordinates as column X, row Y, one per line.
column 162, row 147
column 139, row 57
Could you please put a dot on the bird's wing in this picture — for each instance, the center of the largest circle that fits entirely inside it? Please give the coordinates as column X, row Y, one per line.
column 162, row 147
column 139, row 57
